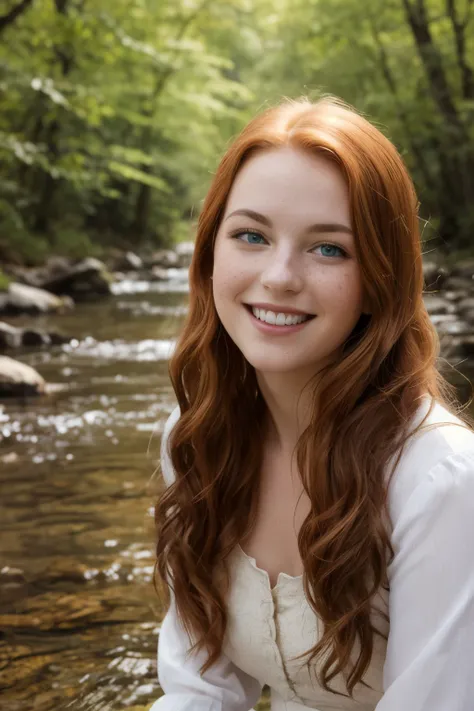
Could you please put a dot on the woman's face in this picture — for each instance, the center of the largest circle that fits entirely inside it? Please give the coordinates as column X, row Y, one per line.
column 285, row 240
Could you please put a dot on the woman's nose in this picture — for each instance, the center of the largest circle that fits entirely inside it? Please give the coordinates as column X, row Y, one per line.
column 282, row 272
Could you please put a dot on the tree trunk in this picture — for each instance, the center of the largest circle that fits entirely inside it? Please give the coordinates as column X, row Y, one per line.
column 459, row 29
column 49, row 184
column 48, row 187
column 456, row 154
column 433, row 64
column 143, row 202
column 142, row 209
column 416, row 145
column 10, row 17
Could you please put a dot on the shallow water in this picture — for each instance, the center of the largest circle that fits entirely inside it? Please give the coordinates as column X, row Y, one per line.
column 79, row 615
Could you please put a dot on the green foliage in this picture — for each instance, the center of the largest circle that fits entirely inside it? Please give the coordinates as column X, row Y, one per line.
column 114, row 114
column 111, row 120
column 74, row 243
column 130, row 173
column 22, row 246
column 183, row 231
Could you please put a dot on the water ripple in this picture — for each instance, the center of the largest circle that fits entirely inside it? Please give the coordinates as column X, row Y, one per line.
column 177, row 282
column 145, row 307
column 146, row 350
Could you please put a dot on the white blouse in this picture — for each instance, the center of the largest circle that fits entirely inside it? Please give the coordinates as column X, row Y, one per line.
column 427, row 664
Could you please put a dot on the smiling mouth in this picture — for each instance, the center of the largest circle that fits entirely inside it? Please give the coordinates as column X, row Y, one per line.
column 306, row 317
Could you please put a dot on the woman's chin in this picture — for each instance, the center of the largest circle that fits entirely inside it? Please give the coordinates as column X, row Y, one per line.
column 278, row 365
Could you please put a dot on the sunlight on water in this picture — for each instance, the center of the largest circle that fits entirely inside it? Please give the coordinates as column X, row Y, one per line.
column 121, row 350
column 79, row 611
column 79, row 479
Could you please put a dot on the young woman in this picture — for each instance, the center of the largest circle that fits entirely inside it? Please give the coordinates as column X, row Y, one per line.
column 317, row 532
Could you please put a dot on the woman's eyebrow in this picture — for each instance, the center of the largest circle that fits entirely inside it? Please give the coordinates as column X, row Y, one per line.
column 319, row 227
column 253, row 216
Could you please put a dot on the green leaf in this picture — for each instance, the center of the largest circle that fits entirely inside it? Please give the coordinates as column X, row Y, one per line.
column 131, row 155
column 126, row 171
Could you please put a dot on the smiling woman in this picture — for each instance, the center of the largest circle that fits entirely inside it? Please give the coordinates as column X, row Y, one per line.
column 294, row 197
column 320, row 472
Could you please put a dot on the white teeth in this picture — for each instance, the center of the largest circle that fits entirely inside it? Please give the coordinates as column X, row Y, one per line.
column 278, row 319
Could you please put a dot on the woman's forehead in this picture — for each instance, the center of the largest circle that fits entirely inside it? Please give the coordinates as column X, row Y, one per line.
column 288, row 181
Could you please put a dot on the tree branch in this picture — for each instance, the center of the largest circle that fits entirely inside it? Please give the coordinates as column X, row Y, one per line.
column 467, row 76
column 387, row 73
column 433, row 64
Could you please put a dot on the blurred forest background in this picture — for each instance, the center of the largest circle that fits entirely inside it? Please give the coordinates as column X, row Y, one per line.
column 114, row 112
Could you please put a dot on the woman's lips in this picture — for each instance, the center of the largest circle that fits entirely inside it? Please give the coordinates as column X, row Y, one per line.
column 274, row 329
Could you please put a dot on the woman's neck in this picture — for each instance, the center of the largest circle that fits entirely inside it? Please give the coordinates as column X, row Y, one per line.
column 288, row 414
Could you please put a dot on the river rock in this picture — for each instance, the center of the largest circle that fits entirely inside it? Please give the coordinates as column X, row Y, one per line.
column 452, row 348
column 128, row 262
column 38, row 275
column 20, row 298
column 164, row 258
column 464, row 268
column 159, row 274
column 466, row 306
column 54, row 610
column 451, row 325
column 460, row 283
column 438, row 304
column 19, row 380
column 185, row 251
column 64, row 569
column 12, row 337
column 455, row 296
column 83, row 280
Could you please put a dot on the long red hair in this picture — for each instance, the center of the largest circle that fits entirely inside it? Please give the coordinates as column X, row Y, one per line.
column 366, row 401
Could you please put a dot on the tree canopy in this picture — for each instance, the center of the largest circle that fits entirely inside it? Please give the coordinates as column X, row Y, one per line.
column 114, row 114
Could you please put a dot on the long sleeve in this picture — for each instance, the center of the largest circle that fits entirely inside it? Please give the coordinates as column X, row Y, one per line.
column 224, row 687
column 430, row 652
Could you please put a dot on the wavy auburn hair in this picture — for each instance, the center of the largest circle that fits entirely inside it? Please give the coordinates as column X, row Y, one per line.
column 365, row 402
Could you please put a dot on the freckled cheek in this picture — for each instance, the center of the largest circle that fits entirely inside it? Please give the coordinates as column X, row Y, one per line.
column 229, row 279
column 226, row 289
column 341, row 292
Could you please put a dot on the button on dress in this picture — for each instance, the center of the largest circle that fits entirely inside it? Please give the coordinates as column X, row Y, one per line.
column 427, row 662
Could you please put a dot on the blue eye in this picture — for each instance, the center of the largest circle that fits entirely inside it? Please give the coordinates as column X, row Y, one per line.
column 253, row 233
column 331, row 246
column 248, row 232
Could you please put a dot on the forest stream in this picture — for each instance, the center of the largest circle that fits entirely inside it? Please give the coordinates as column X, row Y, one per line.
column 79, row 614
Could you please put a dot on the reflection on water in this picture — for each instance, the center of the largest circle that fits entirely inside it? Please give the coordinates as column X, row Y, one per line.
column 79, row 614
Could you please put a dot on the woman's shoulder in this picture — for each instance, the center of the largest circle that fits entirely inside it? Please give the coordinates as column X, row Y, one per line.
column 443, row 446
column 166, row 466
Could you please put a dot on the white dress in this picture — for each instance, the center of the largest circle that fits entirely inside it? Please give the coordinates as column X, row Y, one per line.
column 427, row 664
